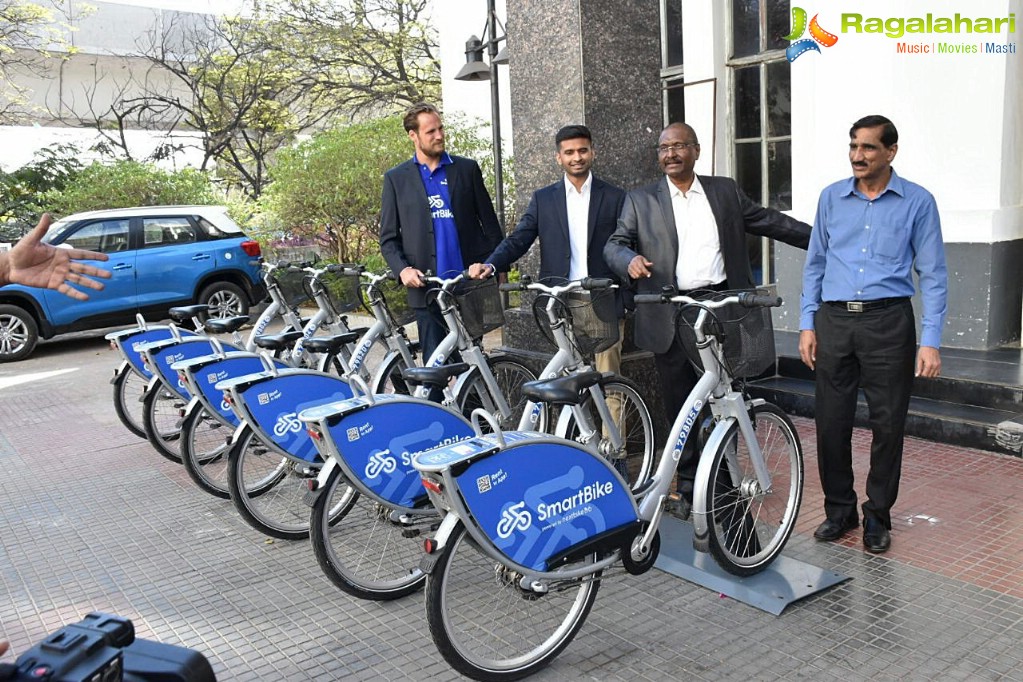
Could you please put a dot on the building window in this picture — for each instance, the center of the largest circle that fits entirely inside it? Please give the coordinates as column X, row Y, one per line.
column 761, row 112
column 672, row 76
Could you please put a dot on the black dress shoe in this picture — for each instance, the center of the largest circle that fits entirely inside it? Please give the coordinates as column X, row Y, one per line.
column 831, row 530
column 876, row 538
column 678, row 506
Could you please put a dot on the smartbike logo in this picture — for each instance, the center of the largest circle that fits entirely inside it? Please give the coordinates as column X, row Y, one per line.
column 933, row 34
column 517, row 517
column 287, row 423
column 380, row 462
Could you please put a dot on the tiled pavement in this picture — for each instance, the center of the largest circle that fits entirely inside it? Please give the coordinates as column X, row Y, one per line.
column 91, row 518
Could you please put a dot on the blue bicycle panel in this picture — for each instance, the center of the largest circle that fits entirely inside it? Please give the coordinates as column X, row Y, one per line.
column 379, row 442
column 207, row 376
column 165, row 356
column 132, row 343
column 537, row 499
column 274, row 404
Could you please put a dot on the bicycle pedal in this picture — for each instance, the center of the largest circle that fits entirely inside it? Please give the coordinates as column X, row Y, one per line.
column 411, row 533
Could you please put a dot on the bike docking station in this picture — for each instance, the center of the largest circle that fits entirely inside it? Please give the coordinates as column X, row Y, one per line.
column 783, row 582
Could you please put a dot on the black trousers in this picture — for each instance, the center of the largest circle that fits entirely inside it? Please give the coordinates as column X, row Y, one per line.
column 432, row 330
column 874, row 351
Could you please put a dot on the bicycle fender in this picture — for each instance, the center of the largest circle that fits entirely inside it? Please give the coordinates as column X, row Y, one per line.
column 121, row 369
column 329, row 464
column 440, row 540
column 701, row 532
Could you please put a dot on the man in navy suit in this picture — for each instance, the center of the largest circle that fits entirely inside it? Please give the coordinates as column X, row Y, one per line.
column 689, row 232
column 574, row 217
column 436, row 215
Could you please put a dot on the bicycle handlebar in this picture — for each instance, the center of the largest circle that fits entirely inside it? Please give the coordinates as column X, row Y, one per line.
column 587, row 283
column 746, row 299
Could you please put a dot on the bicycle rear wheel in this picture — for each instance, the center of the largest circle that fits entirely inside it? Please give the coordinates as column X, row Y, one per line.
column 204, row 447
column 389, row 380
column 490, row 628
column 748, row 526
column 129, row 387
column 510, row 376
column 362, row 546
column 635, row 459
column 161, row 415
column 267, row 488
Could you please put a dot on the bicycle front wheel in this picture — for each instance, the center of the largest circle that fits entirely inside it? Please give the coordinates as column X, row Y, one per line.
column 634, row 460
column 487, row 626
column 510, row 376
column 204, row 446
column 362, row 546
column 749, row 526
column 161, row 415
column 267, row 488
column 129, row 387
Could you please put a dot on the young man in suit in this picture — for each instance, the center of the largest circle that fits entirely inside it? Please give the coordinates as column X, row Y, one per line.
column 689, row 232
column 574, row 217
column 436, row 215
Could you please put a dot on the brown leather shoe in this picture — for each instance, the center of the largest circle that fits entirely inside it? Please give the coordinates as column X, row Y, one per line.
column 831, row 530
column 876, row 538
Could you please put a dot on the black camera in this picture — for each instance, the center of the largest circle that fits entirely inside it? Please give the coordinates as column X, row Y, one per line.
column 103, row 648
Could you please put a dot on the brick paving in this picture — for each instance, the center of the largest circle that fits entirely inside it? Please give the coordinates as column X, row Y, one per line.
column 91, row 518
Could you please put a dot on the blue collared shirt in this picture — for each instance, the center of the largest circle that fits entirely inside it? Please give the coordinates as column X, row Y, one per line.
column 866, row 249
column 445, row 232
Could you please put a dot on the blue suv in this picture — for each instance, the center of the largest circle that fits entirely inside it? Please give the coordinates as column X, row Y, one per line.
column 160, row 257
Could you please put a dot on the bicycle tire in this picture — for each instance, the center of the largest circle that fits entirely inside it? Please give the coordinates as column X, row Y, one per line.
column 204, row 448
column 636, row 459
column 389, row 379
column 510, row 376
column 748, row 529
column 266, row 488
column 361, row 547
column 161, row 415
column 486, row 626
column 129, row 387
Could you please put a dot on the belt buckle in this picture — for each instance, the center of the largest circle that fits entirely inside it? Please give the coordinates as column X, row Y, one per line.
column 854, row 306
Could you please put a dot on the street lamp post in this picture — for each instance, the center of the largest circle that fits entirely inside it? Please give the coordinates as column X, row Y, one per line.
column 476, row 70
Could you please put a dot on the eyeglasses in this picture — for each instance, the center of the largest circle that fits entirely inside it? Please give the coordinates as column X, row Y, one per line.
column 678, row 147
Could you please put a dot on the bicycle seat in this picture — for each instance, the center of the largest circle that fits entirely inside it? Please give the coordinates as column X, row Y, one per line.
column 183, row 313
column 331, row 344
column 226, row 325
column 433, row 376
column 278, row 341
column 564, row 390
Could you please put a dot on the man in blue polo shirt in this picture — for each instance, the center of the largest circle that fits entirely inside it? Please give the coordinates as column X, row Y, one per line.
column 858, row 331
column 436, row 215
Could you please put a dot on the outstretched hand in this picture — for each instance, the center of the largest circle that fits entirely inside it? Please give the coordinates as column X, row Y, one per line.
column 35, row 264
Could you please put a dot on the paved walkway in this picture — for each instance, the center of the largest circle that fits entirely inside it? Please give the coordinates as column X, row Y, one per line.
column 91, row 518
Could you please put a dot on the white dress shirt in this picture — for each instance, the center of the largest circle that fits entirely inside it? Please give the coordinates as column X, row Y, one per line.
column 700, row 263
column 578, row 204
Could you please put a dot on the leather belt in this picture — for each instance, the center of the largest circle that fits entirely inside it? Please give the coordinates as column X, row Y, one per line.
column 864, row 306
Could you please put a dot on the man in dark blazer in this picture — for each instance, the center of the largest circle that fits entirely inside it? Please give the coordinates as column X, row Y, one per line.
column 584, row 230
column 708, row 252
column 436, row 215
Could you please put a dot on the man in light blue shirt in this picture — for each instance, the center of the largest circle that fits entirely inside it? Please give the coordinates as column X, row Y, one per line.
column 872, row 231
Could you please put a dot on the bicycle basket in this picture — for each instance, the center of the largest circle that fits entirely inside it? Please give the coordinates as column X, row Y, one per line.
column 395, row 298
column 291, row 282
column 342, row 290
column 591, row 319
column 479, row 302
column 746, row 335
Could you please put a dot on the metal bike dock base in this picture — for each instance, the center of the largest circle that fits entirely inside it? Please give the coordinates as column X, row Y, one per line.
column 780, row 584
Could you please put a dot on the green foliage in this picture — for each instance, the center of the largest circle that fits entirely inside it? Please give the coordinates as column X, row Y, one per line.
column 129, row 183
column 20, row 190
column 328, row 188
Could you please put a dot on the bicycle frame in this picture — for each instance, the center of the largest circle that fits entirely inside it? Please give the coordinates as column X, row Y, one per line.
column 458, row 338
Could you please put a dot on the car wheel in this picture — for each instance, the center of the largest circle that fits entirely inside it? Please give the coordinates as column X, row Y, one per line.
column 18, row 333
column 225, row 299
